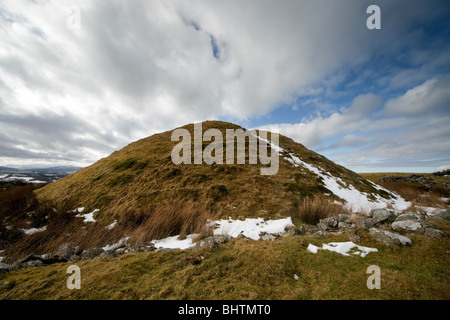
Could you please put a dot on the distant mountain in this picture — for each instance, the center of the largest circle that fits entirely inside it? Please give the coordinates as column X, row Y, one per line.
column 35, row 175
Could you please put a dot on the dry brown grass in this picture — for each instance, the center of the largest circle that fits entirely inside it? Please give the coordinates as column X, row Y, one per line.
column 177, row 218
column 310, row 211
column 141, row 225
column 417, row 193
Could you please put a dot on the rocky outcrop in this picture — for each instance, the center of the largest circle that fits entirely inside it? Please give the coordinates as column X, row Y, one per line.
column 389, row 238
column 426, row 182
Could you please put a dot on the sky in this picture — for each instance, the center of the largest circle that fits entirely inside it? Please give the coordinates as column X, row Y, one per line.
column 81, row 79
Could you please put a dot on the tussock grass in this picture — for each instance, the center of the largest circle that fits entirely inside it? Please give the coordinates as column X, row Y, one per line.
column 62, row 226
column 159, row 222
column 310, row 211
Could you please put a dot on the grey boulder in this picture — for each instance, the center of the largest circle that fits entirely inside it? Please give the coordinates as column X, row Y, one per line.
column 389, row 238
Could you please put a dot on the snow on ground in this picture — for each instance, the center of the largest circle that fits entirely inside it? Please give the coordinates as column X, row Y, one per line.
column 115, row 245
column 250, row 227
column 429, row 211
column 174, row 243
column 88, row 217
column 356, row 200
column 344, row 248
column 112, row 225
column 79, row 210
column 34, row 230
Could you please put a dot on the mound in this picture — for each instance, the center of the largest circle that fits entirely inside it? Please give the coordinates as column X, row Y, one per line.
column 143, row 175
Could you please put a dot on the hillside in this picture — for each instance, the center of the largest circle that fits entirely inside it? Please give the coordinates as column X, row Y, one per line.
column 142, row 175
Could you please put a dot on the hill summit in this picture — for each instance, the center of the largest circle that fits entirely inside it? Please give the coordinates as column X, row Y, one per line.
column 144, row 175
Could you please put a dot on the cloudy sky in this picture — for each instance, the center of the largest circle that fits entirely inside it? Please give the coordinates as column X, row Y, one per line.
column 80, row 79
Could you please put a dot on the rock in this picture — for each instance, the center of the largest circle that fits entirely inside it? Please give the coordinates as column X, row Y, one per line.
column 221, row 239
column 108, row 254
column 241, row 236
column 4, row 267
column 34, row 263
column 331, row 222
column 293, row 231
column 90, row 254
column 322, row 226
column 209, row 243
column 344, row 225
column 407, row 226
column 267, row 236
column 141, row 247
column 75, row 258
column 442, row 215
column 353, row 235
column 365, row 223
column 389, row 238
column 30, row 257
column 434, row 233
column 321, row 234
column 382, row 216
column 64, row 252
column 407, row 216
column 343, row 217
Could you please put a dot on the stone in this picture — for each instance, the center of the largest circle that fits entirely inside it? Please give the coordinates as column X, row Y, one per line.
column 407, row 216
column 30, row 257
column 221, row 238
column 344, row 225
column 343, row 217
column 64, row 252
column 4, row 267
column 365, row 223
column 34, row 263
column 442, row 215
column 331, row 222
column 434, row 233
column 322, row 226
column 382, row 216
column 292, row 231
column 209, row 243
column 353, row 235
column 267, row 236
column 90, row 254
column 108, row 254
column 389, row 238
column 407, row 226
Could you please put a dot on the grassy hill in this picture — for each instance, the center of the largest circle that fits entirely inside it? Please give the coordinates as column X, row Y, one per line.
column 142, row 176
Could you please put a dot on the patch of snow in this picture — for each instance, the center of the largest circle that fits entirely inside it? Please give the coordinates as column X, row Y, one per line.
column 115, row 245
column 312, row 248
column 356, row 200
column 112, row 225
column 79, row 210
column 344, row 248
column 34, row 230
column 295, row 277
column 88, row 217
column 429, row 211
column 174, row 243
column 1, row 259
column 251, row 227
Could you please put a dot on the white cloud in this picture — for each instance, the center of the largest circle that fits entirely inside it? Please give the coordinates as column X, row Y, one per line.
column 138, row 67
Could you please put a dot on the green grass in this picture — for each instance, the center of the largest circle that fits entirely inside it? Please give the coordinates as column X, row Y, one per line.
column 245, row 269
